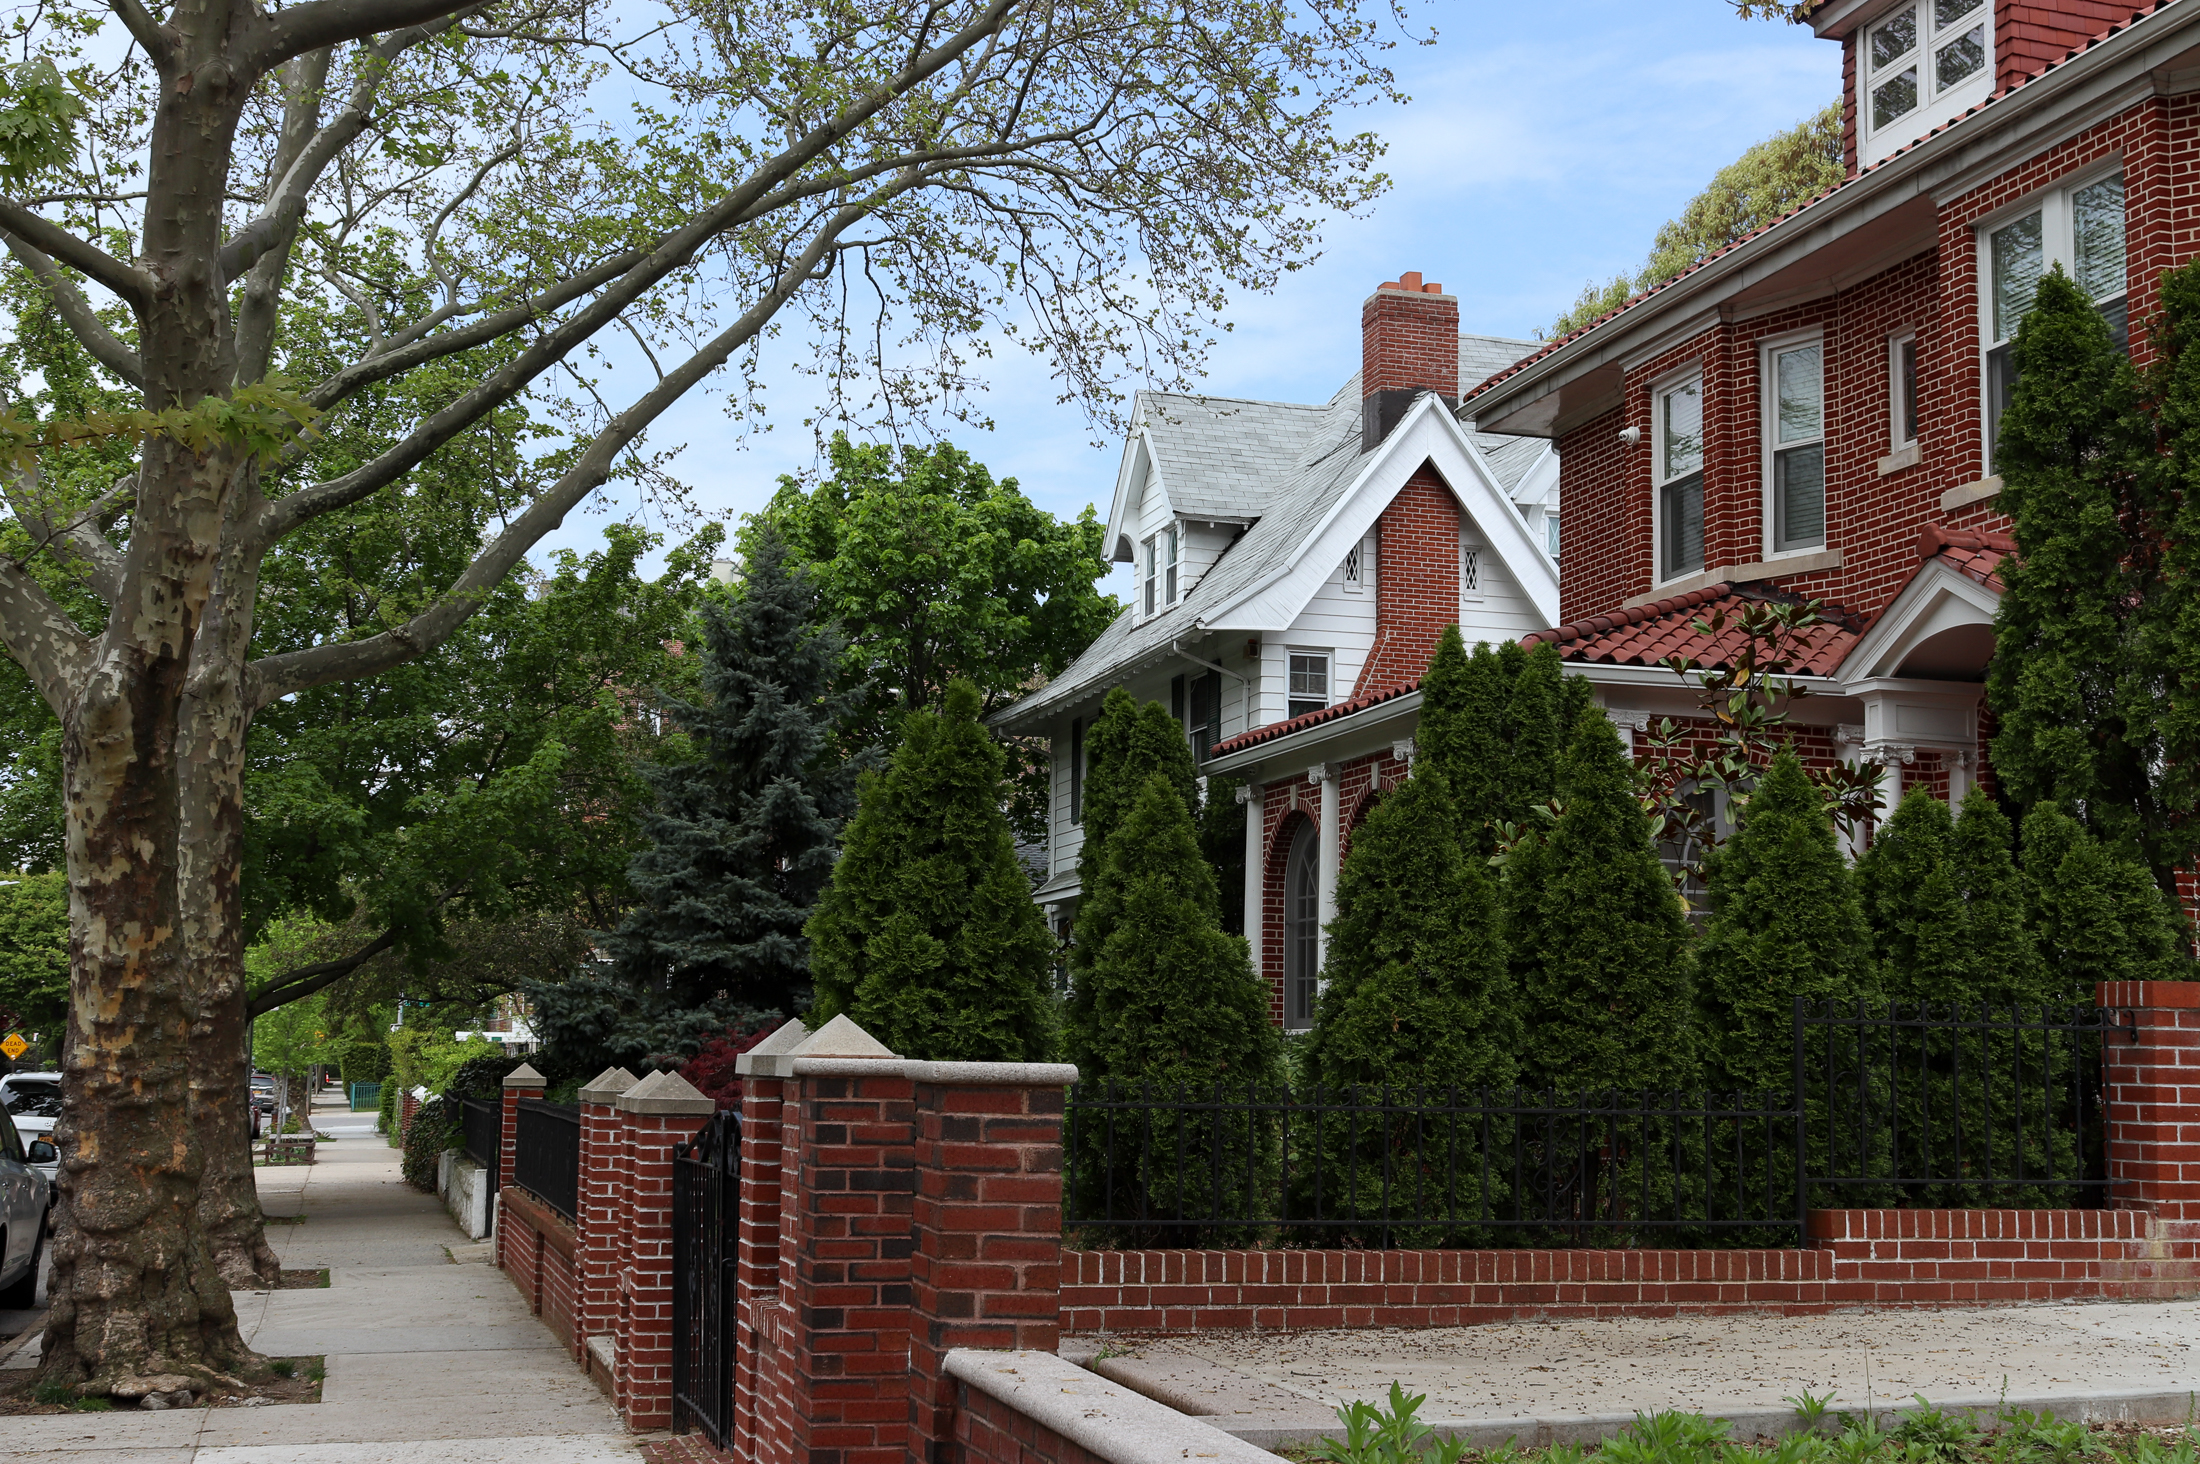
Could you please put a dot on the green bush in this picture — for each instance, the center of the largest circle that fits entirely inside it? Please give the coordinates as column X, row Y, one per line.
column 434, row 1129
column 365, row 1061
column 482, row 1077
column 385, row 1118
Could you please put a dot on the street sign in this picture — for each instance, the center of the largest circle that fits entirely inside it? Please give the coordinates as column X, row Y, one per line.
column 14, row 1045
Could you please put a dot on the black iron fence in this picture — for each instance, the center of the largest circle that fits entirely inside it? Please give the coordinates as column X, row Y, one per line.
column 1950, row 1107
column 481, row 1127
column 1911, row 1106
column 546, row 1155
column 706, row 1200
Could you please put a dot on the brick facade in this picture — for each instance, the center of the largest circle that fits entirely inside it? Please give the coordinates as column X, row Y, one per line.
column 536, row 1249
column 1420, row 532
column 1288, row 804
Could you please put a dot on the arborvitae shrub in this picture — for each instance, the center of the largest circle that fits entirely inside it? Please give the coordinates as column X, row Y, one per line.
column 1419, row 1000
column 1785, row 923
column 1598, row 943
column 926, row 936
column 1222, row 841
column 2000, row 960
column 1168, row 1005
column 1913, row 903
column 2095, row 912
column 1494, row 723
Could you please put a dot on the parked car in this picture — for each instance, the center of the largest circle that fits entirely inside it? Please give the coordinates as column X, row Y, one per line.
column 25, row 1198
column 31, row 1093
column 44, row 1155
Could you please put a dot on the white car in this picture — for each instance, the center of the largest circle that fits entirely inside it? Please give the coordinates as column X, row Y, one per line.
column 24, row 1198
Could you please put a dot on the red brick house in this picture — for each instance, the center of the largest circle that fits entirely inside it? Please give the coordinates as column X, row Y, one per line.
column 1811, row 412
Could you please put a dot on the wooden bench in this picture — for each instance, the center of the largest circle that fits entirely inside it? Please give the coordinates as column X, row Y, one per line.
column 290, row 1148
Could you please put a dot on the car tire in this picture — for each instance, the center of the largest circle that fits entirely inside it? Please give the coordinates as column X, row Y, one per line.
column 23, row 1295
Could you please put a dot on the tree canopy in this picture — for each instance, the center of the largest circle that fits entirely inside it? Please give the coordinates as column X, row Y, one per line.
column 1770, row 179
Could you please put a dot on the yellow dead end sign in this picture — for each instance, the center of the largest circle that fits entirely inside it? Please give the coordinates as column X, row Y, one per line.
column 14, row 1045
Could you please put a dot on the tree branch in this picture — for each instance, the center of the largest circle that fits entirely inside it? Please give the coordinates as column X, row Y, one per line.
column 146, row 31
column 274, row 677
column 77, row 540
column 301, row 28
column 76, row 312
column 302, row 982
column 131, row 284
column 44, row 641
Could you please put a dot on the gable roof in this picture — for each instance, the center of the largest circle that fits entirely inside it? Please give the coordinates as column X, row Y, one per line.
column 1976, row 555
column 1291, row 512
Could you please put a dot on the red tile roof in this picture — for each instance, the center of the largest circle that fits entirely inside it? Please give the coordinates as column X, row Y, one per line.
column 2139, row 14
column 1977, row 555
column 1648, row 635
column 1305, row 720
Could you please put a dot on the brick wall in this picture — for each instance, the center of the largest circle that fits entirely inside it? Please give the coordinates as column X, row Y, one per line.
column 2028, row 37
column 1416, row 580
column 988, row 1431
column 1288, row 804
column 1886, row 1258
column 536, row 1249
column 1409, row 340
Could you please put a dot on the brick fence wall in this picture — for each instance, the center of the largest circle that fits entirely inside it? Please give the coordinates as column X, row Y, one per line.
column 1884, row 1258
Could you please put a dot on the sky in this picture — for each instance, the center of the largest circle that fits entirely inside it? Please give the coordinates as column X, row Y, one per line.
column 1542, row 148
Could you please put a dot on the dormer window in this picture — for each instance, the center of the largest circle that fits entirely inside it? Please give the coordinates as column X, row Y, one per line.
column 1153, row 584
column 1923, row 63
column 1169, row 567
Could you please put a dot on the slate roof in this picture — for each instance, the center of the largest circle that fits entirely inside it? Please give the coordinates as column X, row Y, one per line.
column 1648, row 635
column 1286, row 482
column 1545, row 348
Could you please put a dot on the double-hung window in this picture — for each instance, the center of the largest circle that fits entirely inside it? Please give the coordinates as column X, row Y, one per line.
column 1795, row 443
column 1922, row 64
column 1901, row 391
column 2079, row 226
column 1168, row 539
column 1309, row 689
column 1152, row 584
column 1679, row 466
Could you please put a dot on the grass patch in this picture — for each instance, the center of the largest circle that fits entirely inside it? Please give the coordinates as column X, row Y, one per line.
column 284, row 1367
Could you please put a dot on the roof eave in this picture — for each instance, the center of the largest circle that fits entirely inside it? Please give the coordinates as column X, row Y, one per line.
column 1317, row 743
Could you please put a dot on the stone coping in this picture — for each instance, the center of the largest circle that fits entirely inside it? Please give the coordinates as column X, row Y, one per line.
column 525, row 1076
column 1106, row 1419
column 965, row 1074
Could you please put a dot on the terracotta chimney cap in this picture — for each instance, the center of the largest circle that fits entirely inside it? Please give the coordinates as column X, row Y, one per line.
column 1410, row 283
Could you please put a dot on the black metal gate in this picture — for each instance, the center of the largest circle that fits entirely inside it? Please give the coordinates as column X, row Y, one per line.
column 706, row 1204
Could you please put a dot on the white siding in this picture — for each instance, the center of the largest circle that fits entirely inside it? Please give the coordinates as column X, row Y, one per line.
column 1502, row 611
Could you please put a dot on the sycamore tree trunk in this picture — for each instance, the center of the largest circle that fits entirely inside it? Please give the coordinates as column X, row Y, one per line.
column 152, row 760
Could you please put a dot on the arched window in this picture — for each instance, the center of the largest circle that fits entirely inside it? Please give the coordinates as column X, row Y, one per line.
column 1301, row 927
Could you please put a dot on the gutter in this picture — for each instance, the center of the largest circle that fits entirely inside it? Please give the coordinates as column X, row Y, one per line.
column 1297, row 743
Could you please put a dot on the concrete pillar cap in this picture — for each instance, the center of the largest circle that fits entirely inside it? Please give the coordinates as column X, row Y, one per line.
column 525, row 1076
column 839, row 1038
column 842, row 1038
column 607, row 1085
column 665, row 1093
column 790, row 1035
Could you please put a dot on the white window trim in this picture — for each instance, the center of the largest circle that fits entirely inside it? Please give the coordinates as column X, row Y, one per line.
column 1768, row 431
column 1468, row 544
column 1172, row 566
column 1931, row 111
column 1329, row 676
column 2052, row 203
column 1895, row 440
column 1352, row 570
column 1693, row 371
column 1149, row 590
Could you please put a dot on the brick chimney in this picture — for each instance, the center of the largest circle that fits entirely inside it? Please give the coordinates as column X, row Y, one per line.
column 1409, row 343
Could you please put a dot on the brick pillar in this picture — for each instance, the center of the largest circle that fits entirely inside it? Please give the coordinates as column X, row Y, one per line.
column 661, row 1111
column 987, row 1226
column 844, row 1249
column 758, row 1377
column 521, row 1083
column 408, row 1104
column 602, row 1208
column 2153, row 1081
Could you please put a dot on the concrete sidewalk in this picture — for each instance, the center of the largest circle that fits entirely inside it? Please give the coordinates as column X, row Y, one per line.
column 1574, row 1381
column 428, row 1359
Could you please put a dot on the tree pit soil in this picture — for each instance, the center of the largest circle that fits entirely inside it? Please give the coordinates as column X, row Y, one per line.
column 307, row 1280
column 263, row 1387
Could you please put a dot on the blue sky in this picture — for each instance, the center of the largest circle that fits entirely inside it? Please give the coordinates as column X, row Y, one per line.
column 1542, row 148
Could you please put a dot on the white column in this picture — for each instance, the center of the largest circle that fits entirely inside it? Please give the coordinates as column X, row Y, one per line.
column 1326, row 774
column 1254, row 797
column 1959, row 777
column 1848, row 743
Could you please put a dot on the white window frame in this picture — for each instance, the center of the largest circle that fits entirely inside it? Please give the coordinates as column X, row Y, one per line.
column 1768, row 352
column 1693, row 372
column 2057, row 246
column 1172, row 580
column 1329, row 678
column 1474, row 569
column 1149, row 596
column 1896, row 440
column 1550, row 534
column 1352, row 571
column 1933, row 107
